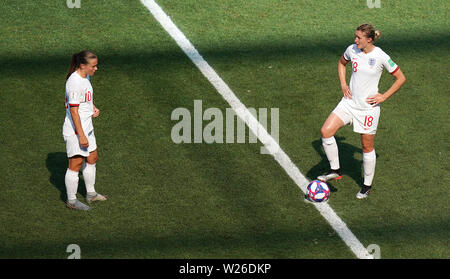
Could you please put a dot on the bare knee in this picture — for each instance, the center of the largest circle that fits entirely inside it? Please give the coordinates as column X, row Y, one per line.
column 75, row 163
column 92, row 159
column 367, row 149
column 326, row 132
column 331, row 126
column 367, row 142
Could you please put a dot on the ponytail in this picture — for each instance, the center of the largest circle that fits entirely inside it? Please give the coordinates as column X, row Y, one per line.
column 377, row 35
column 78, row 59
column 73, row 65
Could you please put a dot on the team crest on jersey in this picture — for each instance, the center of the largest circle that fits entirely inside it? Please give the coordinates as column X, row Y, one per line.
column 372, row 62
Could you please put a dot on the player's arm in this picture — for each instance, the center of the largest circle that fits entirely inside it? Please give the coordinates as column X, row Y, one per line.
column 400, row 79
column 342, row 79
column 78, row 128
column 96, row 112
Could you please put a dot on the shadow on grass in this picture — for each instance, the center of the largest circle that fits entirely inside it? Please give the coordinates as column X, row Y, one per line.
column 169, row 60
column 349, row 165
column 56, row 164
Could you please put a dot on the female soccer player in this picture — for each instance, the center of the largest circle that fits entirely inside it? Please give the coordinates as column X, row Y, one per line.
column 360, row 104
column 78, row 131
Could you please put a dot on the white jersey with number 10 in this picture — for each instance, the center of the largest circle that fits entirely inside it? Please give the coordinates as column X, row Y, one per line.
column 79, row 93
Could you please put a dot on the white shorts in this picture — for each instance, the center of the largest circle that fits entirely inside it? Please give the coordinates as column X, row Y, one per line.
column 73, row 145
column 365, row 121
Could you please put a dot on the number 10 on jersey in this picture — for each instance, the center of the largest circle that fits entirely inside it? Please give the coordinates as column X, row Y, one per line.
column 88, row 96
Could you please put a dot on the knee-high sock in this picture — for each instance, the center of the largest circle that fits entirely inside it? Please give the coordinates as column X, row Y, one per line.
column 71, row 181
column 331, row 150
column 369, row 161
column 89, row 177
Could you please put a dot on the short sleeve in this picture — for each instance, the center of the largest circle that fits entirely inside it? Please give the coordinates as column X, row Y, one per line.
column 388, row 64
column 74, row 94
column 347, row 53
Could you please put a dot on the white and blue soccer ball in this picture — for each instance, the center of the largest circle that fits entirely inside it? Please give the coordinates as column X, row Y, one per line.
column 318, row 191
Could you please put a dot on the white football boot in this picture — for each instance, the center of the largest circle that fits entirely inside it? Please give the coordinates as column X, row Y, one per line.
column 364, row 193
column 331, row 175
column 77, row 205
column 95, row 197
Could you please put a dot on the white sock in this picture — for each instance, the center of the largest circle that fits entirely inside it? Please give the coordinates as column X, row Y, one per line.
column 71, row 180
column 369, row 161
column 331, row 150
column 89, row 177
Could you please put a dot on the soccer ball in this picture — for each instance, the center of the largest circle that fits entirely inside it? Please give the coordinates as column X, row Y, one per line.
column 318, row 191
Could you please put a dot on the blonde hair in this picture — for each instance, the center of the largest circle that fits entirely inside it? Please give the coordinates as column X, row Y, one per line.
column 369, row 31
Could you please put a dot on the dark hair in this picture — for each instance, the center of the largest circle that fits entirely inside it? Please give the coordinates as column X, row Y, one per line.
column 369, row 31
column 79, row 58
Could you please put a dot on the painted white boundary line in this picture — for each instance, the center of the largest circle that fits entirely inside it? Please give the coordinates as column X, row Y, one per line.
column 242, row 112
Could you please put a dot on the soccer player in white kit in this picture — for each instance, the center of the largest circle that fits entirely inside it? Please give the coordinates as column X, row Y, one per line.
column 78, row 130
column 360, row 104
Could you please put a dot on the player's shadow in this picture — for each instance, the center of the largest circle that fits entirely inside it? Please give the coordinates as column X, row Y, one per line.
column 350, row 166
column 56, row 163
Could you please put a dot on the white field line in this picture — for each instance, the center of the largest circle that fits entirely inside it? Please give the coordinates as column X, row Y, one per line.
column 243, row 113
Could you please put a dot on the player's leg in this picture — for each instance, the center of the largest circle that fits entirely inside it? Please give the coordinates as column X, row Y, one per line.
column 366, row 123
column 71, row 181
column 329, row 128
column 89, row 173
column 369, row 162
column 76, row 156
column 331, row 125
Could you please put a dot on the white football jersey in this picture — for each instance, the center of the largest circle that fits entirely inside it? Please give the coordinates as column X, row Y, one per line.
column 366, row 72
column 79, row 93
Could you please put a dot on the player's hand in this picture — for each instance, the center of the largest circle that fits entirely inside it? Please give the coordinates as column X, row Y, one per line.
column 96, row 112
column 346, row 91
column 375, row 100
column 84, row 143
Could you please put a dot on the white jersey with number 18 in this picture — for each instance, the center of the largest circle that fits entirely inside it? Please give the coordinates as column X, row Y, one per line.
column 366, row 72
column 79, row 93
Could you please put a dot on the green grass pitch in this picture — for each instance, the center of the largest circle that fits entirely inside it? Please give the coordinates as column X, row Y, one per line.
column 203, row 200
